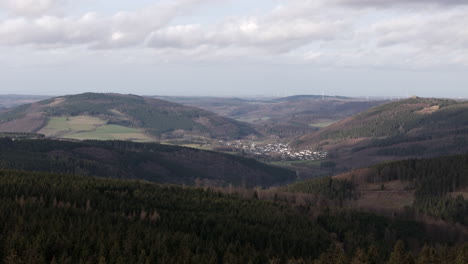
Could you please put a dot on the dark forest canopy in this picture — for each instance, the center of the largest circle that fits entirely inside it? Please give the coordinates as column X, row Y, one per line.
column 50, row 218
column 144, row 161
column 438, row 184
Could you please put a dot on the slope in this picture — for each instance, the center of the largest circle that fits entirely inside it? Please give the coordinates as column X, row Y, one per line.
column 285, row 117
column 437, row 187
column 415, row 127
column 144, row 161
column 80, row 116
column 48, row 218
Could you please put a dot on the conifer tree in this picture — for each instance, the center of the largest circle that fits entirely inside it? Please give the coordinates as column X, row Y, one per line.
column 427, row 256
column 373, row 255
column 360, row 257
column 399, row 255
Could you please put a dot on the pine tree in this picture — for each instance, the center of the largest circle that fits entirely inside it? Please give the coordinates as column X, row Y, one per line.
column 427, row 256
column 373, row 255
column 360, row 257
column 13, row 258
column 334, row 255
column 399, row 255
column 462, row 255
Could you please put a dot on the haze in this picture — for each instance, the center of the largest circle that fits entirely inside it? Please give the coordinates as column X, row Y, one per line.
column 235, row 48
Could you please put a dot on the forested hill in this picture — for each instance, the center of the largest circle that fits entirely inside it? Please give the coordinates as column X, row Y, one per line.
column 287, row 117
column 437, row 187
column 144, row 161
column 49, row 218
column 415, row 127
column 415, row 116
column 89, row 115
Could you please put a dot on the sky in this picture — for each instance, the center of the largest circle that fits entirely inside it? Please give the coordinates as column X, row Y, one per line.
column 235, row 47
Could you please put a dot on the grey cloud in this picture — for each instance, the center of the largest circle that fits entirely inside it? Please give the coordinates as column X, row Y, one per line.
column 274, row 36
column 300, row 31
column 31, row 8
column 387, row 3
column 97, row 32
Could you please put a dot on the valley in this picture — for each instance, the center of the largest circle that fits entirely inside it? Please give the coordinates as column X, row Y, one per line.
column 393, row 170
column 285, row 117
column 234, row 132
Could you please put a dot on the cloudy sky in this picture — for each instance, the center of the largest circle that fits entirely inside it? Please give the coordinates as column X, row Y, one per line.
column 235, row 47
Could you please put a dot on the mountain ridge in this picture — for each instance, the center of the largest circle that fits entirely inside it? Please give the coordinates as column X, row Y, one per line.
column 153, row 117
column 415, row 127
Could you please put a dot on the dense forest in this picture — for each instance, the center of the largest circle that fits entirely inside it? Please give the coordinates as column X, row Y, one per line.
column 49, row 218
column 399, row 118
column 436, row 184
column 327, row 187
column 416, row 127
column 144, row 161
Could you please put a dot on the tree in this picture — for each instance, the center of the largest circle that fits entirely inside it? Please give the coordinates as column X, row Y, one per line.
column 360, row 257
column 334, row 255
column 462, row 255
column 427, row 256
column 373, row 255
column 399, row 255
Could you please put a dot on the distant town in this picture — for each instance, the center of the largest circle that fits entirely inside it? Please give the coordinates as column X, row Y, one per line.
column 275, row 151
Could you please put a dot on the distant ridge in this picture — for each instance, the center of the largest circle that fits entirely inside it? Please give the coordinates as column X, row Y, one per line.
column 414, row 127
column 307, row 97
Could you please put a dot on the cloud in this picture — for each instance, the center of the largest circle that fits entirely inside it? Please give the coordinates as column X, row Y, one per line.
column 281, row 30
column 387, row 3
column 31, row 7
column 92, row 30
column 275, row 36
column 297, row 31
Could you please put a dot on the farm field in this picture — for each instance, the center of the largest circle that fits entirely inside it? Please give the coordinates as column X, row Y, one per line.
column 61, row 125
column 112, row 132
column 323, row 124
column 87, row 127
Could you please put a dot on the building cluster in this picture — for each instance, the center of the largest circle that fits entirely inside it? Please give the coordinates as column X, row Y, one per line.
column 277, row 151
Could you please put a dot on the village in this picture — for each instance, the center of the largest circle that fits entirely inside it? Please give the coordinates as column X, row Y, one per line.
column 276, row 151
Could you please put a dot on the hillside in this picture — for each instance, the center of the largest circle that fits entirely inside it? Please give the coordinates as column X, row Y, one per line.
column 116, row 116
column 143, row 161
column 285, row 117
column 415, row 127
column 437, row 187
column 48, row 218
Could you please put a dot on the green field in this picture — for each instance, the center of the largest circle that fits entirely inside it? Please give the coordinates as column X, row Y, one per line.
column 112, row 132
column 322, row 124
column 57, row 125
column 87, row 127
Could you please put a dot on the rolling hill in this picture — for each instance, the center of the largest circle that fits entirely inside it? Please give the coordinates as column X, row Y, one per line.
column 116, row 116
column 285, row 117
column 415, row 127
column 435, row 187
column 143, row 161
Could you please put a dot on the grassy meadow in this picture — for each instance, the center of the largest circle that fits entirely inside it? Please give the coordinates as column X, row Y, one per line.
column 87, row 127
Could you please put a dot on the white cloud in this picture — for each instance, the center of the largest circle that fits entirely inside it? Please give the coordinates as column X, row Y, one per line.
column 388, row 3
column 91, row 30
column 331, row 33
column 31, row 7
column 281, row 30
